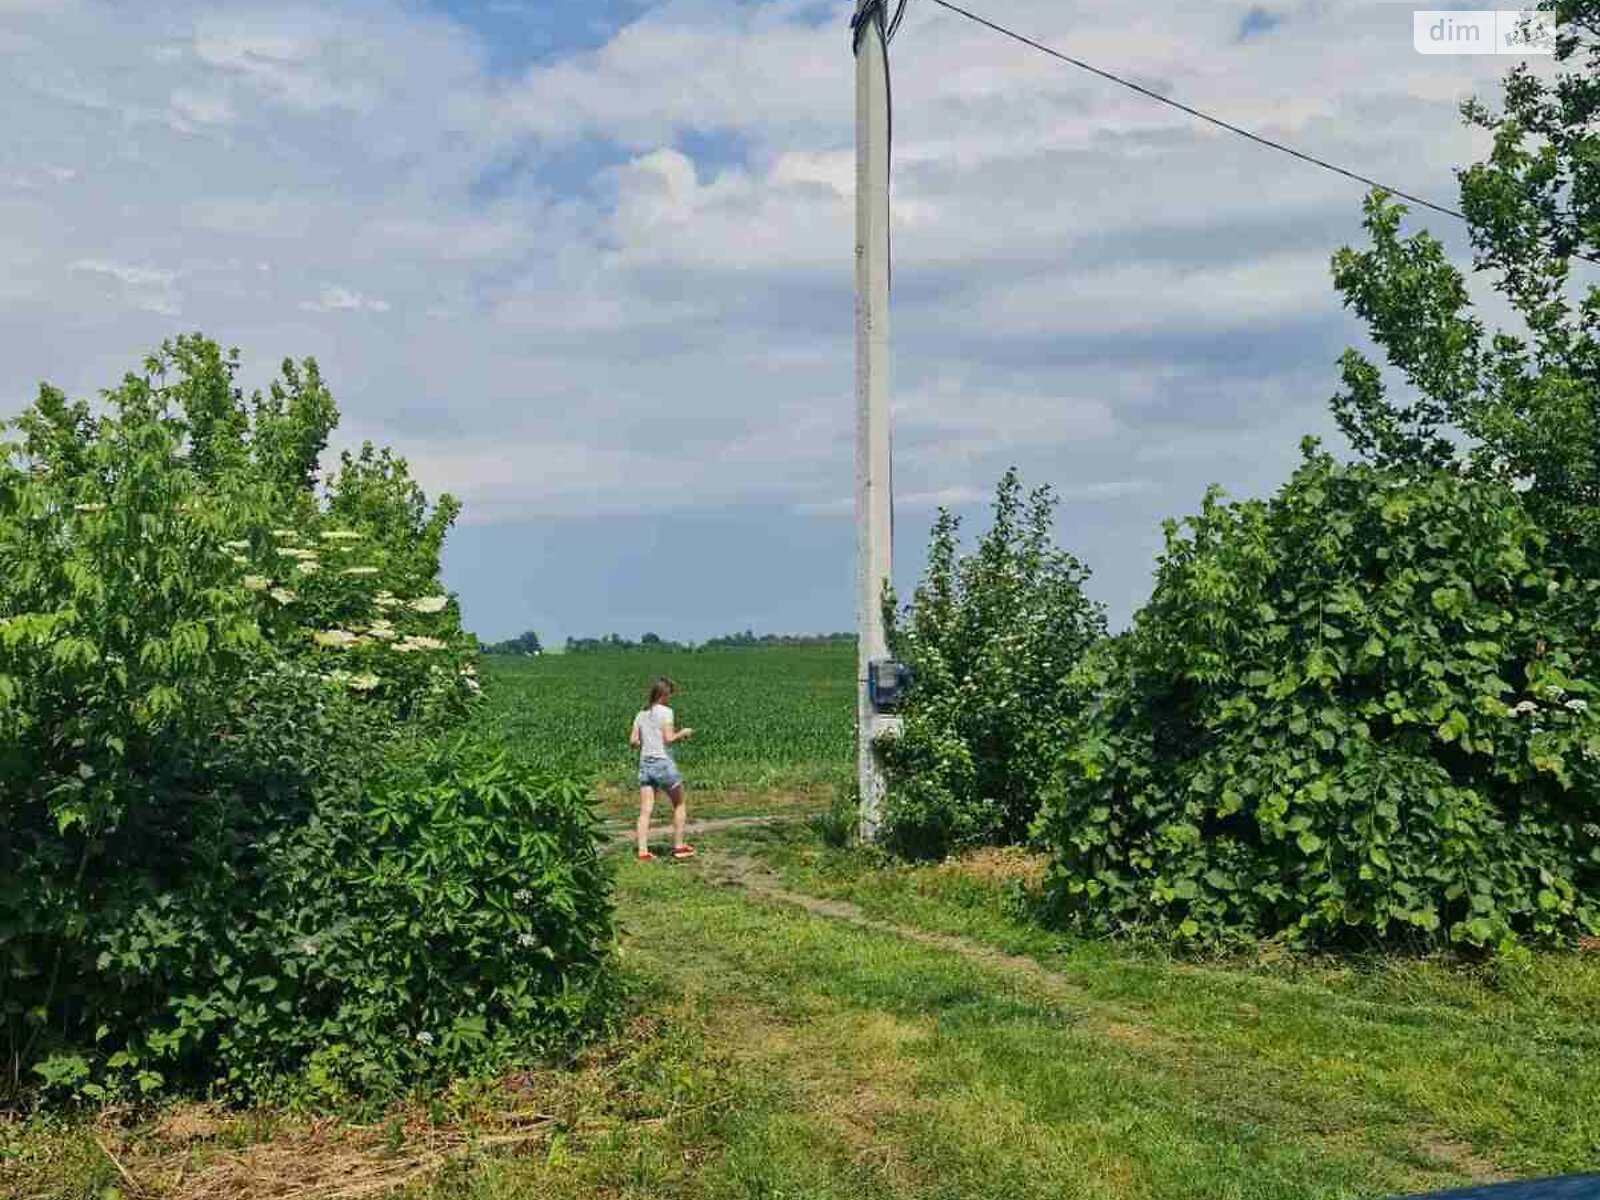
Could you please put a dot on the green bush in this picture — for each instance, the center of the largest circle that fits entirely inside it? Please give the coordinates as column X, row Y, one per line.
column 1359, row 711
column 450, row 917
column 206, row 665
column 989, row 636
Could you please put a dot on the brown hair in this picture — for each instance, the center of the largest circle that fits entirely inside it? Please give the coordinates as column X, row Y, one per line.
column 660, row 688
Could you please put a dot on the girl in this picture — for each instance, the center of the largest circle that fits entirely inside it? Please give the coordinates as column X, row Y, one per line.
column 653, row 732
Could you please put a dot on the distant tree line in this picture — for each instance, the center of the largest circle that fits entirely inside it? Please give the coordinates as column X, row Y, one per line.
column 528, row 643
column 737, row 641
column 523, row 643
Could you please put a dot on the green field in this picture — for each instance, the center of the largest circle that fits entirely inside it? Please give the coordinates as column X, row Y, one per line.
column 764, row 718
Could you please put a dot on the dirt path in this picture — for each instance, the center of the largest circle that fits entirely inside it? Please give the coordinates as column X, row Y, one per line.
column 753, row 876
column 622, row 835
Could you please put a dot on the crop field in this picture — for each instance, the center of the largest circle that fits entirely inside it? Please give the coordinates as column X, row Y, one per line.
column 764, row 718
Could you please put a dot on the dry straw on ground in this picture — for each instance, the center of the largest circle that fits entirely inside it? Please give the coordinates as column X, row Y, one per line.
column 186, row 1156
column 201, row 1152
column 1000, row 865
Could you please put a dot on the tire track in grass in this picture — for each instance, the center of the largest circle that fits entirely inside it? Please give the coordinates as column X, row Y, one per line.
column 1434, row 1147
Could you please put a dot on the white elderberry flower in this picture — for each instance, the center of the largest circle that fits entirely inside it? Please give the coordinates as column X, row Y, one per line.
column 257, row 583
column 282, row 595
column 1526, row 707
column 364, row 682
column 339, row 638
column 307, row 568
column 1577, row 705
column 425, row 1038
column 360, row 571
column 522, row 895
column 340, row 535
column 429, row 604
column 527, row 940
column 90, row 508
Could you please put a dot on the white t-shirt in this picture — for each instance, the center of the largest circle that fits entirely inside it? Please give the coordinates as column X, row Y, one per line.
column 650, row 724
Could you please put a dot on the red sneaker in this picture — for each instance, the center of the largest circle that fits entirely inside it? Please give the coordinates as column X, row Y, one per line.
column 683, row 851
column 646, row 856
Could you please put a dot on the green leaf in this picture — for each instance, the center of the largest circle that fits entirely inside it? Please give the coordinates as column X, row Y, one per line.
column 1453, row 726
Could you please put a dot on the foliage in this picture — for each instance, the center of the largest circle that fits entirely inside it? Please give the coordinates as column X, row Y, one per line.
column 613, row 642
column 1360, row 710
column 1517, row 406
column 202, row 657
column 750, row 640
column 448, row 917
column 839, row 825
column 523, row 643
column 988, row 636
column 451, row 917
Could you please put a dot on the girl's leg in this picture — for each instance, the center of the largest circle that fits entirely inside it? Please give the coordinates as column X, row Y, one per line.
column 680, row 812
column 647, row 801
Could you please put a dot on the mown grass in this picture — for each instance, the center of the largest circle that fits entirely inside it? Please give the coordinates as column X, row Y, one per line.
column 765, row 718
column 1504, row 1062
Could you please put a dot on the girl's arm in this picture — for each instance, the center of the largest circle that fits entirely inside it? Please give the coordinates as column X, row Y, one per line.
column 670, row 734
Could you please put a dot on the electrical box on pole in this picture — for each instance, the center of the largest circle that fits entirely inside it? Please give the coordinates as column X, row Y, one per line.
column 874, row 525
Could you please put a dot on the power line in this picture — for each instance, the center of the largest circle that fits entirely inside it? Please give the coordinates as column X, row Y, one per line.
column 1208, row 118
column 1195, row 112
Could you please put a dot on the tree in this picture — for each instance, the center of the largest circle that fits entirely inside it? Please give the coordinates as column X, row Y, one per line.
column 988, row 637
column 200, row 651
column 523, row 643
column 1522, row 406
column 1367, row 706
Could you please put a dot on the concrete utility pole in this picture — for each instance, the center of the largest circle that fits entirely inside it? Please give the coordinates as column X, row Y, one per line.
column 873, row 550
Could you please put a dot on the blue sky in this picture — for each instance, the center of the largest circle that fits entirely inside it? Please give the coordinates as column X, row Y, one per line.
column 588, row 265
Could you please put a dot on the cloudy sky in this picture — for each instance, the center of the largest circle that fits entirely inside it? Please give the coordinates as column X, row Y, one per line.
column 588, row 263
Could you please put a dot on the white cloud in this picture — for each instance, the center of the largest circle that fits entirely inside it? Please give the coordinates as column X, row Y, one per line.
column 340, row 299
column 146, row 288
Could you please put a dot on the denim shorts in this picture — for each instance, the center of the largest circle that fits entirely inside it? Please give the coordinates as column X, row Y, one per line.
column 659, row 772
